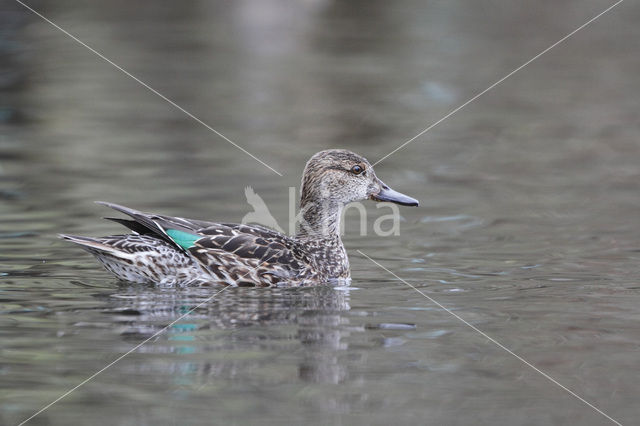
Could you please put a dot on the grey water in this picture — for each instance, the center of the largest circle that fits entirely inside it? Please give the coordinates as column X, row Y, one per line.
column 528, row 227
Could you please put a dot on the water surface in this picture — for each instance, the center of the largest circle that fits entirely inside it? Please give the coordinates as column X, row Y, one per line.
column 528, row 225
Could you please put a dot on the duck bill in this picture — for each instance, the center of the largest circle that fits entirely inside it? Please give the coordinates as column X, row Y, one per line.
column 389, row 195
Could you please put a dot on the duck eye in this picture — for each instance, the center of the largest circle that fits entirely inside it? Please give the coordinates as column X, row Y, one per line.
column 356, row 170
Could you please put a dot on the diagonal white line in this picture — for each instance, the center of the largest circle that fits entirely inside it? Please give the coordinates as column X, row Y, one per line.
column 207, row 300
column 91, row 377
column 491, row 339
column 145, row 85
column 450, row 113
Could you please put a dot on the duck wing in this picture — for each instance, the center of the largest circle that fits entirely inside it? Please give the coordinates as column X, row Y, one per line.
column 261, row 253
column 154, row 224
column 232, row 253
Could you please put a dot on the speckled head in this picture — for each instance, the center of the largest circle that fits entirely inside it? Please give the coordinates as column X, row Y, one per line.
column 338, row 176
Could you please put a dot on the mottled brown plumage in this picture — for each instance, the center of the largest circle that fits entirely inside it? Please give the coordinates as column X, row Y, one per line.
column 174, row 250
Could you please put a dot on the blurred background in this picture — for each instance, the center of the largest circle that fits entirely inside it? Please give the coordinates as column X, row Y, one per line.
column 528, row 224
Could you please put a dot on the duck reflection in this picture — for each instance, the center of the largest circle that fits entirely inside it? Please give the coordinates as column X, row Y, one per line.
column 239, row 330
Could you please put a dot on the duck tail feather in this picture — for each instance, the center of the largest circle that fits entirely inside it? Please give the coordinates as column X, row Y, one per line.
column 143, row 220
column 88, row 243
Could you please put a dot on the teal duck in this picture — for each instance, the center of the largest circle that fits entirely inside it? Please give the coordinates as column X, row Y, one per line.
column 177, row 251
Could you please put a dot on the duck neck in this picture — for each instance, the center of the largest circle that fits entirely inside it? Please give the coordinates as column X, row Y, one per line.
column 319, row 219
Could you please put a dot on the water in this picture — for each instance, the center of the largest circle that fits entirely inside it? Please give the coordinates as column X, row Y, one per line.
column 528, row 225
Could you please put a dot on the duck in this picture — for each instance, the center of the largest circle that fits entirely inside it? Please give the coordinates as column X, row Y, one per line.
column 176, row 251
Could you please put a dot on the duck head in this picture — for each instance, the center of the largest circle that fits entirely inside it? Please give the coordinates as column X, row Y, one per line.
column 338, row 177
column 333, row 179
